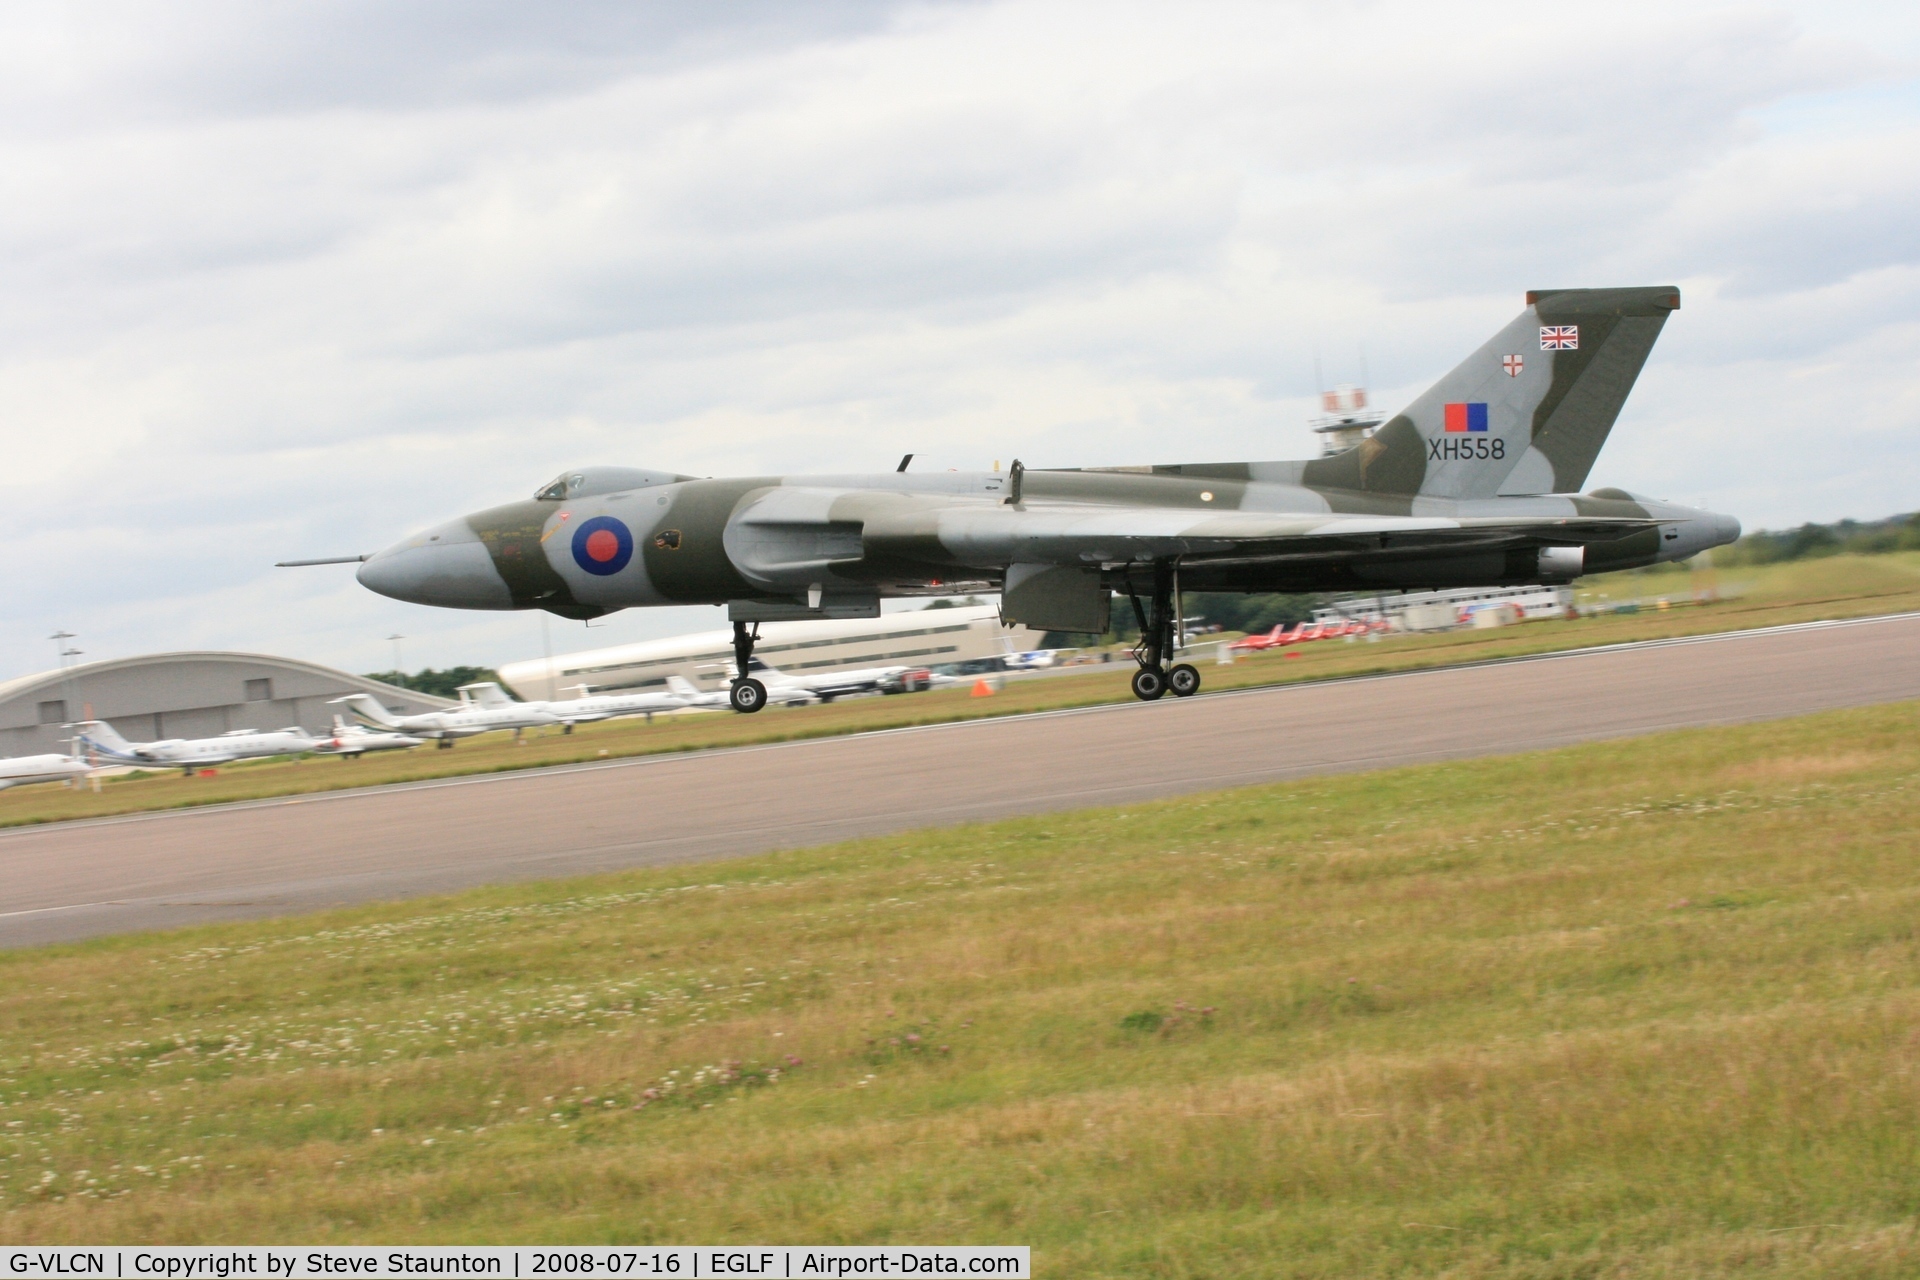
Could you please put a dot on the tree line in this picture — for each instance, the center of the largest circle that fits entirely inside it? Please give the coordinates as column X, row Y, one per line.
column 1810, row 541
column 441, row 684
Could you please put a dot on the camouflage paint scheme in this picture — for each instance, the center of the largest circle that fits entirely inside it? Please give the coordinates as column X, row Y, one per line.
column 1416, row 506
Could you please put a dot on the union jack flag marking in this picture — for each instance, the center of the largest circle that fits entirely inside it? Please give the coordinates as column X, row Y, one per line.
column 1559, row 337
column 1513, row 365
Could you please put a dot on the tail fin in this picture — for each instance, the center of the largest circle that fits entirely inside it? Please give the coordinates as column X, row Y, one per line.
column 367, row 708
column 485, row 693
column 681, row 687
column 102, row 737
column 1526, row 413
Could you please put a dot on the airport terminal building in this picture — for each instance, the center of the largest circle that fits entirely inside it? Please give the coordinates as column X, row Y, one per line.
column 920, row 638
column 183, row 695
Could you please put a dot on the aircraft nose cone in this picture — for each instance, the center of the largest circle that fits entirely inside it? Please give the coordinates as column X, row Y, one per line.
column 447, row 566
column 1725, row 529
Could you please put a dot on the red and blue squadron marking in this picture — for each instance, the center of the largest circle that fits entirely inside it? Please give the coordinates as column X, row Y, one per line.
column 603, row 546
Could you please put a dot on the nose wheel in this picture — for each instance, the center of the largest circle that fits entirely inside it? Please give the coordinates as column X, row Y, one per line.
column 1160, row 626
column 747, row 696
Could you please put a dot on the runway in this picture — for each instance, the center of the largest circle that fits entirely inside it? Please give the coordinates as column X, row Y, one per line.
column 150, row 871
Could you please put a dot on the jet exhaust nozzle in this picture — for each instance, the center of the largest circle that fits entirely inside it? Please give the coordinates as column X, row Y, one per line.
column 1562, row 564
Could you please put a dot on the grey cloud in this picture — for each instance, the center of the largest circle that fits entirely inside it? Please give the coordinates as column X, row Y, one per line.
column 1793, row 251
column 284, row 292
column 227, row 58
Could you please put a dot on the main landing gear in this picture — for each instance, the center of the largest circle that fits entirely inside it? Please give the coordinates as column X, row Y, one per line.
column 1159, row 623
column 747, row 694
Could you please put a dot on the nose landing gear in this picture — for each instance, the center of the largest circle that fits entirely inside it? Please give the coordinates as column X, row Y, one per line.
column 746, row 695
column 1160, row 625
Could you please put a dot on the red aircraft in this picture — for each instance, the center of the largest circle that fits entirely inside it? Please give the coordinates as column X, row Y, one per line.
column 1277, row 638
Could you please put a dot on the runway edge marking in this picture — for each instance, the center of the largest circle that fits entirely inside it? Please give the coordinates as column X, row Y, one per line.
column 1105, row 708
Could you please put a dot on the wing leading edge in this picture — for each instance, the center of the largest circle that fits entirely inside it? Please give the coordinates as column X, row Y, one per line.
column 989, row 537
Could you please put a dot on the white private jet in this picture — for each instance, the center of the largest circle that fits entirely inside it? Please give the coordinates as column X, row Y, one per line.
column 829, row 685
column 193, row 753
column 463, row 721
column 586, row 709
column 351, row 741
column 1029, row 660
column 24, row 771
column 782, row 695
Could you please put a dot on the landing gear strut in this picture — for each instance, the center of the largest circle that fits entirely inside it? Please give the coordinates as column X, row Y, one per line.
column 1160, row 625
column 747, row 694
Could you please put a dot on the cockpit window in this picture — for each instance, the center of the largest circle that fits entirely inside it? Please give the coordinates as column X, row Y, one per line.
column 590, row 482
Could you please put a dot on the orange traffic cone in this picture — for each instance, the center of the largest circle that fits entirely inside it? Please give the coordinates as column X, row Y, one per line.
column 981, row 689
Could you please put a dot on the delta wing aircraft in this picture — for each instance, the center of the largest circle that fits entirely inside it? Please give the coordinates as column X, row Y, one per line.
column 24, row 771
column 1473, row 484
column 193, row 753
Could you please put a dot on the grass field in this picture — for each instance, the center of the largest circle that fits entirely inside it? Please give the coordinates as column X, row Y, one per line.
column 1642, row 1008
column 1841, row 586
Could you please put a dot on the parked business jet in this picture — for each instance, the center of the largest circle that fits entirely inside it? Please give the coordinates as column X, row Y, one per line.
column 463, row 721
column 193, row 753
column 24, row 771
column 351, row 741
column 586, row 709
column 829, row 685
column 782, row 695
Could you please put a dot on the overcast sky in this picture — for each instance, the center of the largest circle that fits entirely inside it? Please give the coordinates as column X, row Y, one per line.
column 295, row 279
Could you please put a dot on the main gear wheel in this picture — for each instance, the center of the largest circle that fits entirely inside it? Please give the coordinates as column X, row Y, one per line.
column 1149, row 684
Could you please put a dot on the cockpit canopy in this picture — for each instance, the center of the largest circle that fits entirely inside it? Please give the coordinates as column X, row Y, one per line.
column 585, row 482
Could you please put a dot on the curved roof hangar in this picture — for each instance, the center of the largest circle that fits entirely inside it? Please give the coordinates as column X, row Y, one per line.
column 183, row 695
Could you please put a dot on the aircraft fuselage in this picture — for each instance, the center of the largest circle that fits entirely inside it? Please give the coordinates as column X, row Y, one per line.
column 848, row 538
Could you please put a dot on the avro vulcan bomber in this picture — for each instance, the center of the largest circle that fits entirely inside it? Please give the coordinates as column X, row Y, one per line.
column 1474, row 484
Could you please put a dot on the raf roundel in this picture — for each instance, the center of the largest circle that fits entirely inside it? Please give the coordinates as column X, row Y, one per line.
column 602, row 546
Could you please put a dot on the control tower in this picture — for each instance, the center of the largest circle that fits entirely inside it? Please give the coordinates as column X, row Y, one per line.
column 1345, row 419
